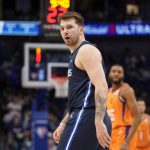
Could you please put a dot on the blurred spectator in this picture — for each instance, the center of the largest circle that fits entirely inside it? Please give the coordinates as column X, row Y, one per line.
column 27, row 143
column 132, row 10
column 15, row 133
column 143, row 131
column 26, row 111
column 51, row 143
column 13, row 106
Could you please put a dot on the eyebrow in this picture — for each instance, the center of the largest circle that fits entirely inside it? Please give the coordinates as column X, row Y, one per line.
column 67, row 25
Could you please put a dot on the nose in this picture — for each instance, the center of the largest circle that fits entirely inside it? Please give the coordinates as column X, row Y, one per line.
column 115, row 73
column 65, row 31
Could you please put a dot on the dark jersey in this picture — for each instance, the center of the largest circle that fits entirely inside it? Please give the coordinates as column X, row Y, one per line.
column 80, row 131
column 80, row 88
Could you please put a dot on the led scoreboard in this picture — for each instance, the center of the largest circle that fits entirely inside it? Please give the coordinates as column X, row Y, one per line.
column 51, row 10
column 56, row 8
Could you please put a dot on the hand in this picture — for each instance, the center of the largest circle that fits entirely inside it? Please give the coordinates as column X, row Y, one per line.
column 124, row 146
column 57, row 133
column 102, row 134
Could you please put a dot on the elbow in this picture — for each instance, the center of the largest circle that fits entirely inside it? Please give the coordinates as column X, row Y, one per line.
column 105, row 88
column 102, row 89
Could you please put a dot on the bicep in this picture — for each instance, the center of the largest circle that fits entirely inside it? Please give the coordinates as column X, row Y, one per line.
column 131, row 101
column 92, row 63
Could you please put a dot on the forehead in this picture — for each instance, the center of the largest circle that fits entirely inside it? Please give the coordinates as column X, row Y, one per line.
column 67, row 22
column 116, row 68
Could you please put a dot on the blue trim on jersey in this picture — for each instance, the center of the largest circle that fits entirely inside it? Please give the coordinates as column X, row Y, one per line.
column 87, row 94
column 123, row 109
column 121, row 99
column 79, row 116
column 127, row 130
column 123, row 105
column 75, row 128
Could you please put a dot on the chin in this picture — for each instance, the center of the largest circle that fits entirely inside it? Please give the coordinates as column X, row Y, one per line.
column 67, row 43
column 117, row 82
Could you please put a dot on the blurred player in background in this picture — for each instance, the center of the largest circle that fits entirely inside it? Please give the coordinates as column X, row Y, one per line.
column 143, row 131
column 123, row 111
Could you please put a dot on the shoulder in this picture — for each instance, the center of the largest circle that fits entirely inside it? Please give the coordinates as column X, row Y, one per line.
column 147, row 116
column 110, row 89
column 126, row 89
column 89, row 50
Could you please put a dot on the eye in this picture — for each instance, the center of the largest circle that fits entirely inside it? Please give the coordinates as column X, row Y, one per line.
column 69, row 27
column 61, row 28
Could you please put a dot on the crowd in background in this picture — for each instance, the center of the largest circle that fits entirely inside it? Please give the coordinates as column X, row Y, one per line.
column 16, row 102
column 104, row 10
column 16, row 117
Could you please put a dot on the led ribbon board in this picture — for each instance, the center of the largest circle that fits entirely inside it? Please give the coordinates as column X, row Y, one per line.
column 124, row 29
column 19, row 28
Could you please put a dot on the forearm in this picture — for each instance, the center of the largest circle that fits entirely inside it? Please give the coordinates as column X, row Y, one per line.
column 100, row 103
column 133, row 128
column 65, row 119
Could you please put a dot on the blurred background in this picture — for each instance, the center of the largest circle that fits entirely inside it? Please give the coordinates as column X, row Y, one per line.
column 33, row 78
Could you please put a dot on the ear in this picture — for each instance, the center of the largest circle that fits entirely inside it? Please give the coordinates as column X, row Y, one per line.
column 81, row 29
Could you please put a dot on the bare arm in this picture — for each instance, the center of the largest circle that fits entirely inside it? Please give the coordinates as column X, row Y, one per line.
column 65, row 119
column 58, row 132
column 90, row 60
column 128, row 94
column 149, row 124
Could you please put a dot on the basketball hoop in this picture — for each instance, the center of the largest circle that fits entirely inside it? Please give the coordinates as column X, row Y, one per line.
column 61, row 86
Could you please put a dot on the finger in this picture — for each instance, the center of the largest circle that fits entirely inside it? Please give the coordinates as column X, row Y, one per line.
column 57, row 140
column 105, row 141
column 107, row 138
column 101, row 142
column 56, row 137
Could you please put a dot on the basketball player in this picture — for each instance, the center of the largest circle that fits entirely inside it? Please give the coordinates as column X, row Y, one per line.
column 143, row 131
column 86, row 126
column 123, row 111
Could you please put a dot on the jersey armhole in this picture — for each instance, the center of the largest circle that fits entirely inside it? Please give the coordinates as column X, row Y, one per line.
column 120, row 97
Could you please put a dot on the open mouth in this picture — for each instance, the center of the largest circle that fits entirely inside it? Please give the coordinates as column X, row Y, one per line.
column 67, row 38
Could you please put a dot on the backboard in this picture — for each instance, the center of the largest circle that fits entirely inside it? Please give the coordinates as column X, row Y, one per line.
column 41, row 62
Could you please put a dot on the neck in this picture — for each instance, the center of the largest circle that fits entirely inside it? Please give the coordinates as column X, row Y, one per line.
column 73, row 47
column 143, row 115
column 116, row 86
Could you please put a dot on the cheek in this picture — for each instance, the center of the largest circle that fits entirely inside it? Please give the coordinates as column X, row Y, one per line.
column 75, row 32
column 61, row 33
column 144, row 108
column 74, row 35
column 110, row 76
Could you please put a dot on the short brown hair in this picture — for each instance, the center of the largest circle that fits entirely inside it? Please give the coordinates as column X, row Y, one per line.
column 72, row 15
